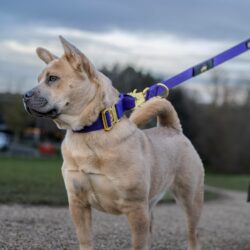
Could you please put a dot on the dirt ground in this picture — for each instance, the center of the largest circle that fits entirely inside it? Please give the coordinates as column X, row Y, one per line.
column 225, row 224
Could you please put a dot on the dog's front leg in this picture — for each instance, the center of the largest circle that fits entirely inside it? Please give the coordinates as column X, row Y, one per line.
column 81, row 216
column 139, row 220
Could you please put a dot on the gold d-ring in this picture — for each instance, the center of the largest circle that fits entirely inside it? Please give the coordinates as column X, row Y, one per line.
column 166, row 93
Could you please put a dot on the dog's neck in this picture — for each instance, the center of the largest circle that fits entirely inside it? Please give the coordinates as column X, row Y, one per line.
column 101, row 140
column 106, row 95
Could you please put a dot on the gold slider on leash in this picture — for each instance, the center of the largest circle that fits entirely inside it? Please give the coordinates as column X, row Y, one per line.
column 126, row 170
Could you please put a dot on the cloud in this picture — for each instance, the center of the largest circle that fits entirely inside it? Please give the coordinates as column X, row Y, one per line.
column 164, row 37
column 214, row 19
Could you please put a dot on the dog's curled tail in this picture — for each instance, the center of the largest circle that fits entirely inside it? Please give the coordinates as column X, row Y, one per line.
column 163, row 109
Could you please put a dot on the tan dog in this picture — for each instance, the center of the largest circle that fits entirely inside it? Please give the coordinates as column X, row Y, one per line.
column 126, row 170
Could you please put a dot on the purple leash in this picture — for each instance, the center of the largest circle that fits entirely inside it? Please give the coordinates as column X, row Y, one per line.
column 200, row 68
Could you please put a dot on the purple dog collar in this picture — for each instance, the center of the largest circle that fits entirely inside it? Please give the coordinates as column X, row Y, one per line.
column 111, row 116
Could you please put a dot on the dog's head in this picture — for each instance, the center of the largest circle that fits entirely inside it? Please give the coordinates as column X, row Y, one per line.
column 70, row 91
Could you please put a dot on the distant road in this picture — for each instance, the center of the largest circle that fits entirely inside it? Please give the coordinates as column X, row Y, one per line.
column 21, row 150
column 225, row 225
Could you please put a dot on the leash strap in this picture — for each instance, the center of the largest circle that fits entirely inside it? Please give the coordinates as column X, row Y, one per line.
column 156, row 89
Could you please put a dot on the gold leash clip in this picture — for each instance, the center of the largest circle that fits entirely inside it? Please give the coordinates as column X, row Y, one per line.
column 140, row 96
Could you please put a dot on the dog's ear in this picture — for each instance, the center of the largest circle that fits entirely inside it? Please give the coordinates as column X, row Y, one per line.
column 77, row 59
column 45, row 55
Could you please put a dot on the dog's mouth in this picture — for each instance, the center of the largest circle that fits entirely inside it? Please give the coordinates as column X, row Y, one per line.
column 52, row 113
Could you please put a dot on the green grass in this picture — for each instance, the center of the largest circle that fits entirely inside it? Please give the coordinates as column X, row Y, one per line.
column 230, row 182
column 208, row 196
column 39, row 181
column 32, row 181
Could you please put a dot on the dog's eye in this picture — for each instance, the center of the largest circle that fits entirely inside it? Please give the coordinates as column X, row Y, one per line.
column 52, row 79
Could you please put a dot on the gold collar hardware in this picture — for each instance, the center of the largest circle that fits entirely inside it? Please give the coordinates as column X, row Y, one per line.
column 139, row 97
column 113, row 115
column 166, row 92
column 139, row 100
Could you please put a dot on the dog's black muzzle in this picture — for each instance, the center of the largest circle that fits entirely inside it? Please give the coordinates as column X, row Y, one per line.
column 35, row 105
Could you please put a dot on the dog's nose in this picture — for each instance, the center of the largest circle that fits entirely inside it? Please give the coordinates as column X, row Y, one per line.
column 28, row 94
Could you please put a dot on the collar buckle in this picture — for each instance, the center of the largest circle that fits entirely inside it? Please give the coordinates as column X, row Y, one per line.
column 112, row 113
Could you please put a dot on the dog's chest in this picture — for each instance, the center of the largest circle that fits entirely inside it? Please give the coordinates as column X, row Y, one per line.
column 93, row 188
column 88, row 180
column 101, row 178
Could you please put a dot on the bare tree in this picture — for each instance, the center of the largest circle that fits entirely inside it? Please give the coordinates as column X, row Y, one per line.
column 14, row 114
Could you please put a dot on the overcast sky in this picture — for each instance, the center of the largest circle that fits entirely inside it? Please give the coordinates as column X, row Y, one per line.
column 163, row 37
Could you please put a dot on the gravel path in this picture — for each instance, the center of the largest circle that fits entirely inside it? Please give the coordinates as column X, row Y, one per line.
column 225, row 224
